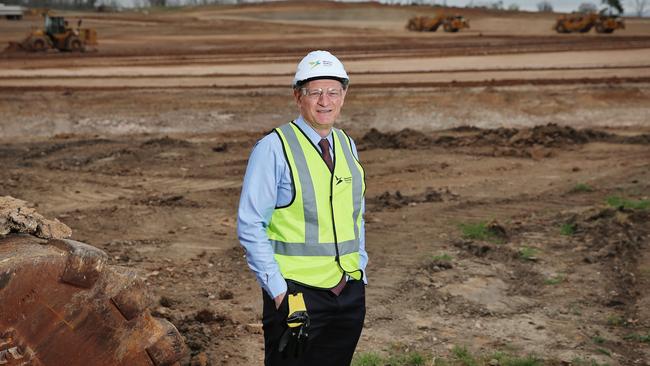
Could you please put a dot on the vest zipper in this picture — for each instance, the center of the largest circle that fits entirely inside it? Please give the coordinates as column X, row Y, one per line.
column 337, row 258
column 336, row 241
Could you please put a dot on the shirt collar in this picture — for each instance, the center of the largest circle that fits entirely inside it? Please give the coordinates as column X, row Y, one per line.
column 313, row 136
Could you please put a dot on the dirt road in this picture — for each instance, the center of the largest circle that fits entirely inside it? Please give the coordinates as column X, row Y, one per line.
column 141, row 146
column 521, row 68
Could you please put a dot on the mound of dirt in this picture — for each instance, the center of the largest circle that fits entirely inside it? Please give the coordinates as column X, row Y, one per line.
column 201, row 328
column 526, row 142
column 643, row 139
column 616, row 239
column 13, row 47
column 550, row 135
column 397, row 199
column 17, row 217
column 166, row 141
column 173, row 200
column 404, row 139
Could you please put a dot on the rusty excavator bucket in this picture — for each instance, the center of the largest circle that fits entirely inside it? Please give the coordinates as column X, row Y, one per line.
column 34, row 42
column 14, row 47
column 23, row 46
column 61, row 303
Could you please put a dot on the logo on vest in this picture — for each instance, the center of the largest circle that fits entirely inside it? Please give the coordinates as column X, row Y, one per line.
column 342, row 179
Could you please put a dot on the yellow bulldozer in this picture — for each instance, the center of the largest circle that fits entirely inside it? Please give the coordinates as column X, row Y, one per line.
column 450, row 23
column 57, row 34
column 582, row 23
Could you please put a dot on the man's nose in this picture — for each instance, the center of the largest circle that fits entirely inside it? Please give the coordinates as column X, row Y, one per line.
column 324, row 99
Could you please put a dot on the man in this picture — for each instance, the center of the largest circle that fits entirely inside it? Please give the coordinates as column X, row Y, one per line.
column 301, row 223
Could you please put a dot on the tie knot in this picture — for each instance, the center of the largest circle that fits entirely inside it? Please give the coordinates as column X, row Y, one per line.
column 324, row 145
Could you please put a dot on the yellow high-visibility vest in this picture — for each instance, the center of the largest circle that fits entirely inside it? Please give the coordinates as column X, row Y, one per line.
column 315, row 237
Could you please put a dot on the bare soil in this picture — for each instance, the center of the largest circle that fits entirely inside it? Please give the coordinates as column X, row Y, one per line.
column 140, row 148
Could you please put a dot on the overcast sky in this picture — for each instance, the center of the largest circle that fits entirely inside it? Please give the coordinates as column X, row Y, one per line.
column 558, row 5
column 564, row 5
column 530, row 5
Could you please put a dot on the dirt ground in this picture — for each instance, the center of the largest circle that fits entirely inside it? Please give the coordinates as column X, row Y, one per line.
column 140, row 147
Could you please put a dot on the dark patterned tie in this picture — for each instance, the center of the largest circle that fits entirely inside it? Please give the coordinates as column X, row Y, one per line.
column 325, row 152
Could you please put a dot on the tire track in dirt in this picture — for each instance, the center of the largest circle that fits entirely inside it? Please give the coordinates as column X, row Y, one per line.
column 376, row 46
column 432, row 71
column 190, row 185
column 542, row 69
column 253, row 83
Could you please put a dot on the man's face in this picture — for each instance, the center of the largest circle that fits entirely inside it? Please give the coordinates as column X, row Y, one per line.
column 320, row 111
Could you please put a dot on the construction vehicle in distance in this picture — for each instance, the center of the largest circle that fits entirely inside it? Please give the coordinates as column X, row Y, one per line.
column 11, row 12
column 58, row 34
column 582, row 23
column 450, row 23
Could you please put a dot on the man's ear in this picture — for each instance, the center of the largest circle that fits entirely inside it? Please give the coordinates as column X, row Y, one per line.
column 345, row 91
column 296, row 95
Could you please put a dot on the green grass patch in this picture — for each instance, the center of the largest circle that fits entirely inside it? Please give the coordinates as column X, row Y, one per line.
column 620, row 202
column 598, row 339
column 568, row 229
column 582, row 362
column 644, row 272
column 463, row 356
column 459, row 356
column 444, row 257
column 367, row 359
column 581, row 188
column 638, row 337
column 604, row 351
column 555, row 280
column 615, row 321
column 575, row 309
column 374, row 359
column 520, row 361
column 410, row 359
column 479, row 231
column 528, row 253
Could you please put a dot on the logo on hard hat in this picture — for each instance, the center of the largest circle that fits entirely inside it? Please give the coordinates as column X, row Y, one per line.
column 319, row 62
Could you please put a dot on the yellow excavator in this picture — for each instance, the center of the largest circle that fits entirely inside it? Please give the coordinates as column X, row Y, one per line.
column 57, row 34
column 450, row 23
column 582, row 23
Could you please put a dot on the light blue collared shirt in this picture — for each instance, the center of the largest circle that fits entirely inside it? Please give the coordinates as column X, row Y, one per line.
column 267, row 185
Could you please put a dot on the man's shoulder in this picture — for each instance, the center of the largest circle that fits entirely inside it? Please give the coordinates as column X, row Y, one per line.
column 345, row 134
column 349, row 138
column 336, row 129
column 270, row 138
column 270, row 141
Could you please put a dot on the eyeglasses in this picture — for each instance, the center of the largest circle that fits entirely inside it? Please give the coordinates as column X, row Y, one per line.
column 315, row 94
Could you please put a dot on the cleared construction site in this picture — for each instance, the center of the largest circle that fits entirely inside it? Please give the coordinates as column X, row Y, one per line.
column 507, row 169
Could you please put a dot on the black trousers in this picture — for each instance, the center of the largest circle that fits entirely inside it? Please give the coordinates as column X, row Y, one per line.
column 336, row 323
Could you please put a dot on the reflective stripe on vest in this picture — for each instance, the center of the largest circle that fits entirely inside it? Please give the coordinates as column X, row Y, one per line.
column 311, row 250
column 307, row 234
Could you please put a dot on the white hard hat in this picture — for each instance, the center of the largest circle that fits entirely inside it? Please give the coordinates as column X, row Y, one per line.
column 320, row 65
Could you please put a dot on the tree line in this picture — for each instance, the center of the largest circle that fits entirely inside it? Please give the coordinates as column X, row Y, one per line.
column 640, row 7
column 115, row 4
